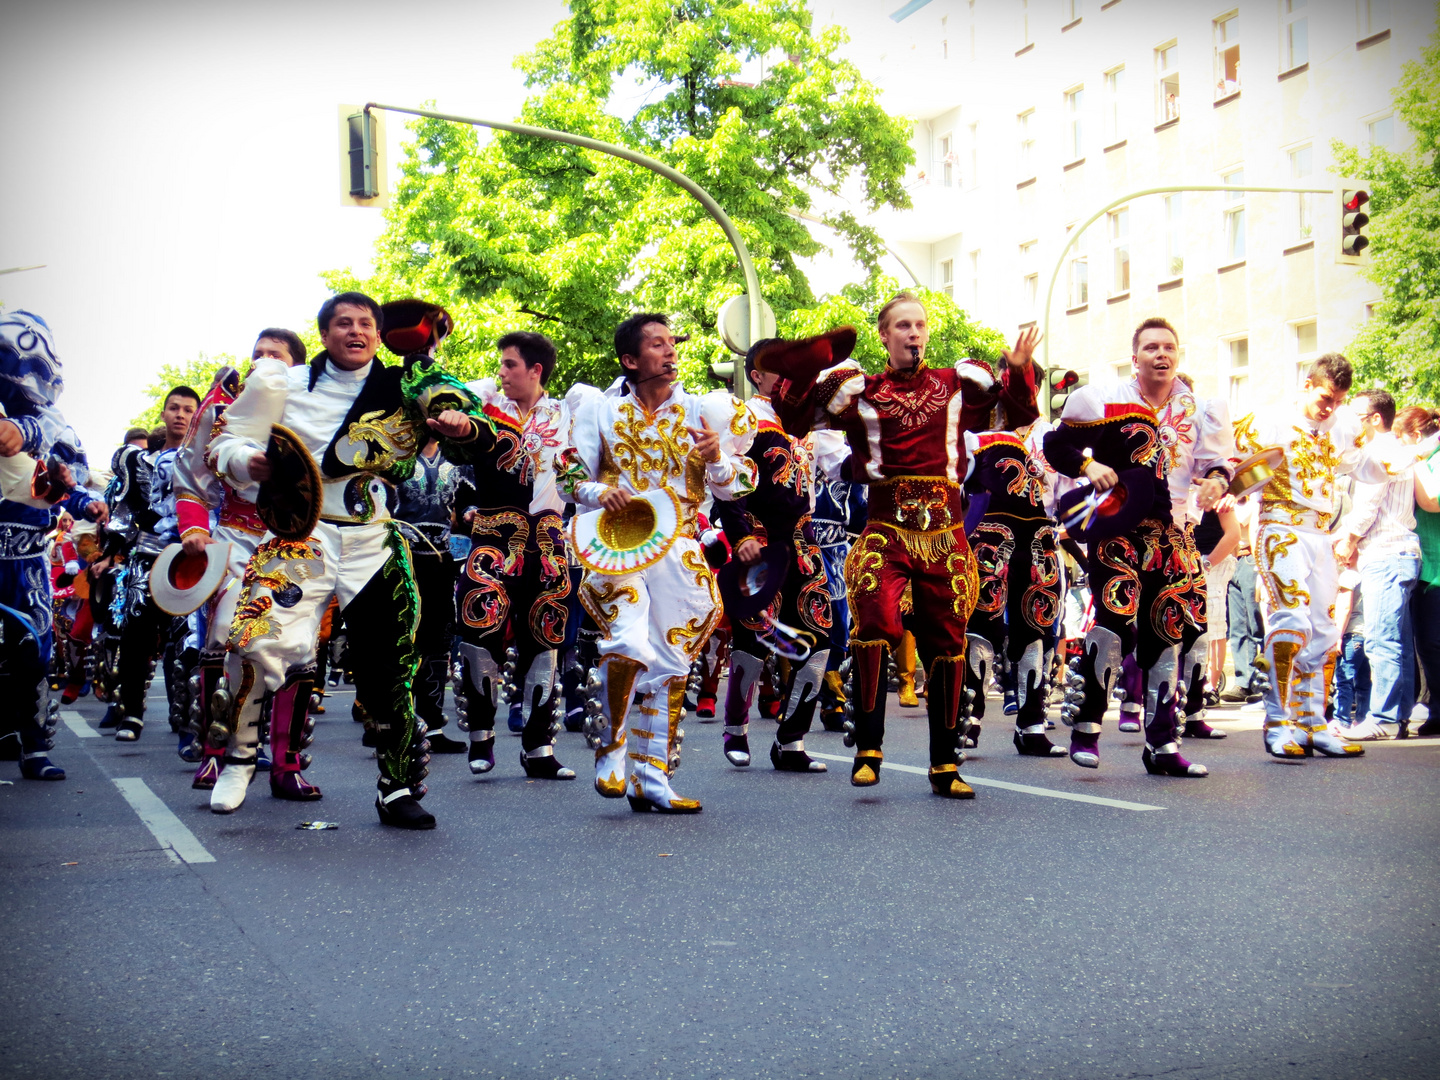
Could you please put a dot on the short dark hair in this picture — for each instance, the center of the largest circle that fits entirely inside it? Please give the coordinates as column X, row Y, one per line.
column 181, row 391
column 1381, row 402
column 1417, row 420
column 136, row 433
column 290, row 339
column 1154, row 322
column 533, row 349
column 1333, row 369
column 156, row 439
column 359, row 299
column 752, row 352
column 628, row 334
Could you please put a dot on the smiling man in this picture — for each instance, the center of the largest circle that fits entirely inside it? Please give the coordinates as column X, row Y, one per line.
column 355, row 417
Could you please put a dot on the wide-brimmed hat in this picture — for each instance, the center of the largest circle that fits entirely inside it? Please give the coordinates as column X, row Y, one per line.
column 1090, row 515
column 180, row 583
column 748, row 589
column 289, row 502
column 624, row 541
column 1255, row 471
column 411, row 325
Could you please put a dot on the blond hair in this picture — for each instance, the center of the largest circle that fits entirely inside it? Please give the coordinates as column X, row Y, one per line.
column 883, row 320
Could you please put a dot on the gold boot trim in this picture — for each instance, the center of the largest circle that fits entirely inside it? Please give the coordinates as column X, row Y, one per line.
column 611, row 787
column 945, row 781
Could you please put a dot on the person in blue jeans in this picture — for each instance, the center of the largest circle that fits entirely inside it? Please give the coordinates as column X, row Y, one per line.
column 1352, row 673
column 1381, row 527
column 1418, row 426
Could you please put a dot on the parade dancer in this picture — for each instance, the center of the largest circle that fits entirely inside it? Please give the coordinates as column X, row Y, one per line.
column 1298, row 573
column 648, row 451
column 353, row 426
column 517, row 577
column 202, row 495
column 1019, row 598
column 910, row 431
column 146, row 632
column 40, row 459
column 1143, row 580
column 839, row 505
column 777, row 513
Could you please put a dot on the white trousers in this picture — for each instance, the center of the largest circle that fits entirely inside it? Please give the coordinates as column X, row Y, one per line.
column 1298, row 583
column 660, row 617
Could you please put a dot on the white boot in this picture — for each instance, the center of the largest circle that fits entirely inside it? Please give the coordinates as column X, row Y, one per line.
column 231, row 786
column 238, row 767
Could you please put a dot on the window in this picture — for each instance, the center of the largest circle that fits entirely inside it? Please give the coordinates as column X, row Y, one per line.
column 1234, row 234
column 1026, row 123
column 1167, row 83
column 1227, row 54
column 1030, row 281
column 947, row 160
column 947, row 277
column 1301, row 166
column 1124, row 372
column 1371, row 310
column 1294, row 34
column 1074, row 120
column 1114, row 90
column 1381, row 132
column 974, row 154
column 1239, row 361
column 1024, row 23
column 1305, row 346
column 1079, row 276
column 974, row 279
column 1174, row 236
column 1118, row 223
column 1070, row 10
column 1374, row 17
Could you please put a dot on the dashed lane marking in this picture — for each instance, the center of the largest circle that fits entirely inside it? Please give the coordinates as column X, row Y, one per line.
column 1024, row 789
column 179, row 842
column 77, row 723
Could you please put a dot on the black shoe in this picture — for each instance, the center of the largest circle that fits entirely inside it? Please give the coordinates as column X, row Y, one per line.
column 1235, row 695
column 1036, row 744
column 1252, row 697
column 546, row 767
column 10, row 748
column 404, row 812
column 1429, row 729
column 1199, row 729
column 370, row 739
column 794, row 760
column 440, row 743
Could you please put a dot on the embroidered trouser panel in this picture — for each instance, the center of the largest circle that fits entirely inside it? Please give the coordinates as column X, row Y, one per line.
column 511, row 589
column 1298, row 583
column 24, row 685
column 1018, row 602
column 285, row 591
column 803, row 604
column 944, row 583
column 1141, row 584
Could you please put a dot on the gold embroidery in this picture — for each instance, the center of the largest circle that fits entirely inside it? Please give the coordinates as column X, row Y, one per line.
column 381, row 440
column 1315, row 459
column 646, row 445
column 862, row 565
column 1284, row 646
column 593, row 600
column 1247, row 441
column 1280, row 592
column 964, row 582
column 278, row 565
column 491, row 524
column 704, row 576
column 743, row 422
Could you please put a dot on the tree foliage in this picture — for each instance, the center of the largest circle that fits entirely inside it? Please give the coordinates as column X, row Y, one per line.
column 197, row 374
column 1400, row 347
column 525, row 233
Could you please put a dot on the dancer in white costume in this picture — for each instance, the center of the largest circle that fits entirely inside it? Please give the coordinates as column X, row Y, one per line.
column 647, row 435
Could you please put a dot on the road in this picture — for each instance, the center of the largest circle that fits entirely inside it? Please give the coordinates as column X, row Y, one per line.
column 1274, row 919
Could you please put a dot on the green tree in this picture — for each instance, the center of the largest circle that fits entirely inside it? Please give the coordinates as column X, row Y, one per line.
column 1400, row 347
column 197, row 374
column 523, row 233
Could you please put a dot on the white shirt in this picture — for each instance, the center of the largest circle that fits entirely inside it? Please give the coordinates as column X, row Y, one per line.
column 1383, row 515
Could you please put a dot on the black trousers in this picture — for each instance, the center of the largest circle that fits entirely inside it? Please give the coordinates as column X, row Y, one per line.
column 435, row 582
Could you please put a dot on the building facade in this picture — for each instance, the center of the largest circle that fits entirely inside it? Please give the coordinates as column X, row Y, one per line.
column 1032, row 115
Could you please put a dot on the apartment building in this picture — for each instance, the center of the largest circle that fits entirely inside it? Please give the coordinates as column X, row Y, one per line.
column 1033, row 115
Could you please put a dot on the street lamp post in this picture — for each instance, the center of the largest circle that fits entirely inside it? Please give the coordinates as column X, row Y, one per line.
column 747, row 266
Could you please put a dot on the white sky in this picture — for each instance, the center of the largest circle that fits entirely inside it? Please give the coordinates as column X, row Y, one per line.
column 175, row 164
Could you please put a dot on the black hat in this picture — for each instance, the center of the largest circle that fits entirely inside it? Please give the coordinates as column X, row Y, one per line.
column 289, row 502
column 747, row 590
column 1090, row 515
column 412, row 326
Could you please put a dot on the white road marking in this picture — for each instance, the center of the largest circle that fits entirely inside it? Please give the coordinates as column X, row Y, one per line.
column 76, row 723
column 178, row 841
column 1024, row 789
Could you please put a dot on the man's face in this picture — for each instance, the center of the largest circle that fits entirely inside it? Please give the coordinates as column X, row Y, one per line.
column 1319, row 398
column 1371, row 422
column 1157, row 355
column 908, row 329
column 352, row 337
column 176, row 416
column 657, row 356
column 518, row 381
column 274, row 349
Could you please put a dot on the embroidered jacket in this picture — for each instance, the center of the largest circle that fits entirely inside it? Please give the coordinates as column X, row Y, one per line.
column 1103, row 424
column 1004, row 469
column 518, row 471
column 784, row 492
column 200, row 490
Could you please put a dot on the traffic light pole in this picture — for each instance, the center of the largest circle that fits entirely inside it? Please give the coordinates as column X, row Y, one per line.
column 747, row 266
column 1075, row 234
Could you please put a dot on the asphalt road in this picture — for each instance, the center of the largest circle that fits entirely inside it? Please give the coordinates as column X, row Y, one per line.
column 1272, row 920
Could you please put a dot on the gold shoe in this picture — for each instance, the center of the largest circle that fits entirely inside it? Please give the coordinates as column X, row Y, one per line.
column 866, row 770
column 611, row 787
column 908, row 698
column 945, row 781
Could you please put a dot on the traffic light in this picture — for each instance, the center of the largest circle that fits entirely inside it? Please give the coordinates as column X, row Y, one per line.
column 361, row 131
column 1061, row 383
column 1353, row 220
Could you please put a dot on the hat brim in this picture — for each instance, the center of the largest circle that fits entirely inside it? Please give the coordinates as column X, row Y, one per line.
column 411, row 326
column 180, row 583
column 1256, row 471
column 747, row 589
column 625, row 541
column 1091, row 515
column 289, row 501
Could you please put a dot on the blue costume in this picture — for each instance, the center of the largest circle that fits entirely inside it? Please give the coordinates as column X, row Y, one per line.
column 30, row 384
